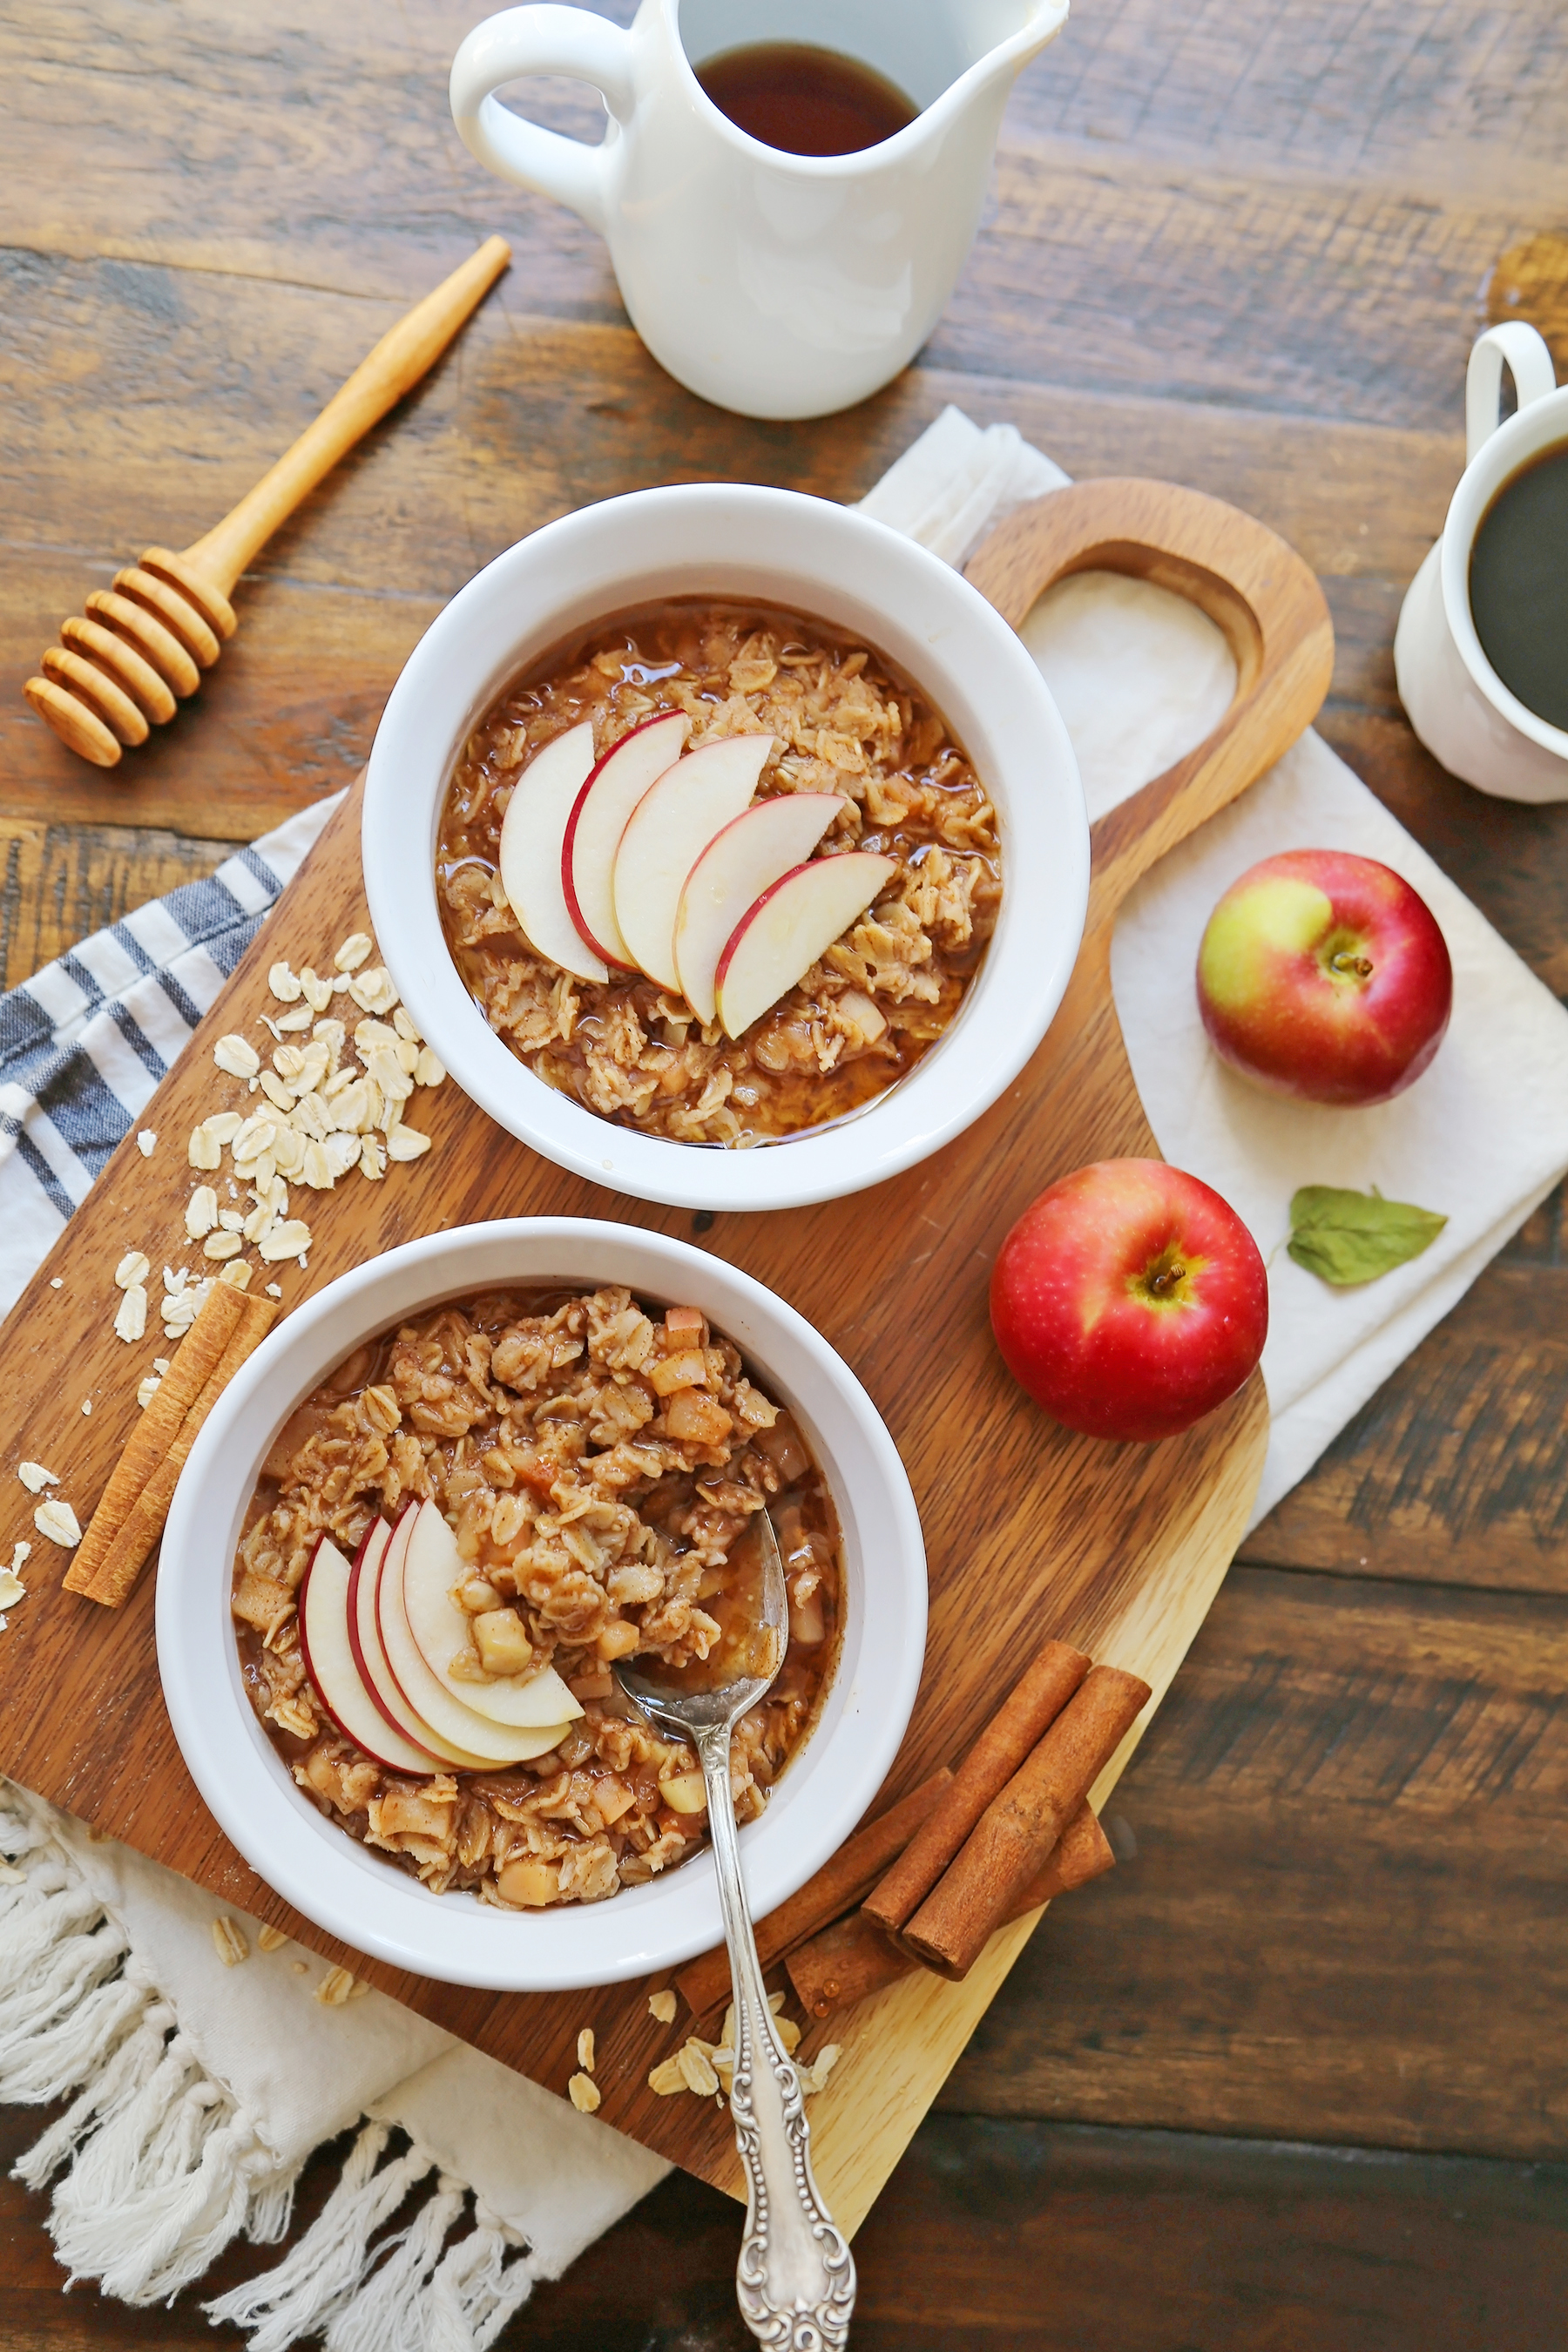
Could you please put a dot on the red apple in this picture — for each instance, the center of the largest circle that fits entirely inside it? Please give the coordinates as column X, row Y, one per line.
column 1324, row 975
column 797, row 918
column 1130, row 1300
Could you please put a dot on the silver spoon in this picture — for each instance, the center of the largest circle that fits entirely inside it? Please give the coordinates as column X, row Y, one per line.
column 795, row 2278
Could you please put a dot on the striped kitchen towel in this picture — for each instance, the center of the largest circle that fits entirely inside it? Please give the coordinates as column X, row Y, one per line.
column 85, row 1041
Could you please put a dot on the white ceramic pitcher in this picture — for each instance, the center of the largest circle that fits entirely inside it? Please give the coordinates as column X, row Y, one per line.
column 1452, row 696
column 778, row 284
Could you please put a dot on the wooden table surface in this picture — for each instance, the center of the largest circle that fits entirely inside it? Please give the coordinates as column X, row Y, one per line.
column 1296, row 2074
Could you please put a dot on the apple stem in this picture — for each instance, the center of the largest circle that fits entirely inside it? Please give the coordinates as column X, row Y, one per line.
column 1165, row 1281
column 1353, row 966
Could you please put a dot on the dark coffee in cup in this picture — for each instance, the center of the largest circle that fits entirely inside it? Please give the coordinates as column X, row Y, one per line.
column 805, row 101
column 1519, row 586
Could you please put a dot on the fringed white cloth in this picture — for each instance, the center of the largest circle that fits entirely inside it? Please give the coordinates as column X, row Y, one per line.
column 112, row 1991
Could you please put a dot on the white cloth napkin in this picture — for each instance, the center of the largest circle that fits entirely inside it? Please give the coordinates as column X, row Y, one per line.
column 201, row 2088
column 1141, row 677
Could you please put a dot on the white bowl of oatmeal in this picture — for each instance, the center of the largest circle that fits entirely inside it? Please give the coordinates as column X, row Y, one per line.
column 884, row 677
column 593, row 1872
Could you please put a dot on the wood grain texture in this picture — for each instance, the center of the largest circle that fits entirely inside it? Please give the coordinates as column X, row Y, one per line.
column 1117, row 1548
column 1342, row 1917
column 1026, row 2235
column 58, row 883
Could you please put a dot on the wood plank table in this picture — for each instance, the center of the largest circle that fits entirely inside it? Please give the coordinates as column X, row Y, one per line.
column 1296, row 2074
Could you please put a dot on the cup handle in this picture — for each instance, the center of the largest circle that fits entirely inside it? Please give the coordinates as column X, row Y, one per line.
column 1528, row 363
column 542, row 40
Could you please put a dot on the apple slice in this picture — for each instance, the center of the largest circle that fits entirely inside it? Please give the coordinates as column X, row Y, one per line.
column 370, row 1657
column 778, row 939
column 431, row 1566
column 666, row 835
column 531, row 833
column 452, row 1719
column 329, row 1662
column 599, row 819
column 738, row 864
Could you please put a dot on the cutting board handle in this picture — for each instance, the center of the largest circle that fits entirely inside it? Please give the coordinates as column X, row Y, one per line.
column 1258, row 590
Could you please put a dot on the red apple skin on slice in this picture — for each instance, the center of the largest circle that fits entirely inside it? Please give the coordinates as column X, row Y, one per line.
column 776, row 941
column 754, row 851
column 668, row 831
column 432, row 1567
column 329, row 1662
column 369, row 1657
column 531, row 833
column 453, row 1722
column 599, row 817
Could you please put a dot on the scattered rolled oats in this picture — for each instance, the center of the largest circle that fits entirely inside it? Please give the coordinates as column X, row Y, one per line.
column 283, row 984
column 237, row 1055
column 287, row 1240
column 291, row 1022
column 87, row 1401
column 130, row 1317
column 373, row 991
column 815, row 2078
column 406, row 1143
column 697, row 2068
column 666, row 2078
column 146, row 1141
column 134, row 1266
column 585, row 2050
column 236, row 1276
column 584, row 2094
column 222, row 1245
column 224, row 1125
column 59, row 1522
column 204, row 1151
column 148, row 1389
column 230, row 1941
column 335, row 1988
column 353, row 952
column 12, row 1587
column 429, row 1069
column 21, row 1553
column 316, row 1169
column 34, row 1477
column 662, row 2006
column 372, row 1159
column 201, row 1211
column 403, row 1021
column 231, row 1221
column 318, row 992
column 271, row 1939
column 274, row 1290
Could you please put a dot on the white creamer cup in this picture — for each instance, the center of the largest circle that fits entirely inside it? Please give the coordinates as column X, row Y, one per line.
column 773, row 284
column 1453, row 697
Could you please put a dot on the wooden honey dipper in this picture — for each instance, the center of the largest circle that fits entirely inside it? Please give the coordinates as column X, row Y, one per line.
column 144, row 643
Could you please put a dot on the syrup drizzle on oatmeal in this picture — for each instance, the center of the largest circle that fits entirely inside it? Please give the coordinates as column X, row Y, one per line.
column 847, row 723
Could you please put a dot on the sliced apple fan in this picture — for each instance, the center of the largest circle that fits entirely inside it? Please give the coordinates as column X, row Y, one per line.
column 660, row 860
column 380, row 1639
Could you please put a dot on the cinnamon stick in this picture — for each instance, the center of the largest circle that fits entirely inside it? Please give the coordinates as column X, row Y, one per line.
column 836, row 1888
column 195, row 1360
column 121, row 1564
column 1011, row 1840
column 852, row 1960
column 1045, row 1687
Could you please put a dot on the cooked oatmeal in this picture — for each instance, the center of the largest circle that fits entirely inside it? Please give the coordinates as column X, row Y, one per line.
column 597, row 1463
column 845, row 722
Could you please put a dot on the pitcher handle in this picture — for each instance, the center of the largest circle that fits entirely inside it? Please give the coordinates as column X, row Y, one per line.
column 1528, row 363
column 542, row 40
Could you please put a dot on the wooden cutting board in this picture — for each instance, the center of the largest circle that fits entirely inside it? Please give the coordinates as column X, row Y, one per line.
column 1029, row 1530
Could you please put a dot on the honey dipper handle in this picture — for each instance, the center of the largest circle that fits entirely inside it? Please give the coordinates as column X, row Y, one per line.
column 398, row 361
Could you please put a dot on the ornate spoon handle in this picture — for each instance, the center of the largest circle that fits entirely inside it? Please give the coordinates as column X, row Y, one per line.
column 795, row 2279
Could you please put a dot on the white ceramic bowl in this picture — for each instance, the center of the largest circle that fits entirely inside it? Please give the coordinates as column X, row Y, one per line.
column 826, row 560
column 354, row 1893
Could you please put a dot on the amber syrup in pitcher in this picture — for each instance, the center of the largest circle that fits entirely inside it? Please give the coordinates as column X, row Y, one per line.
column 805, row 101
column 1519, row 585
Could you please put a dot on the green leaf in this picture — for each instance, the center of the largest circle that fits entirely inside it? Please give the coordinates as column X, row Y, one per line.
column 1350, row 1237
